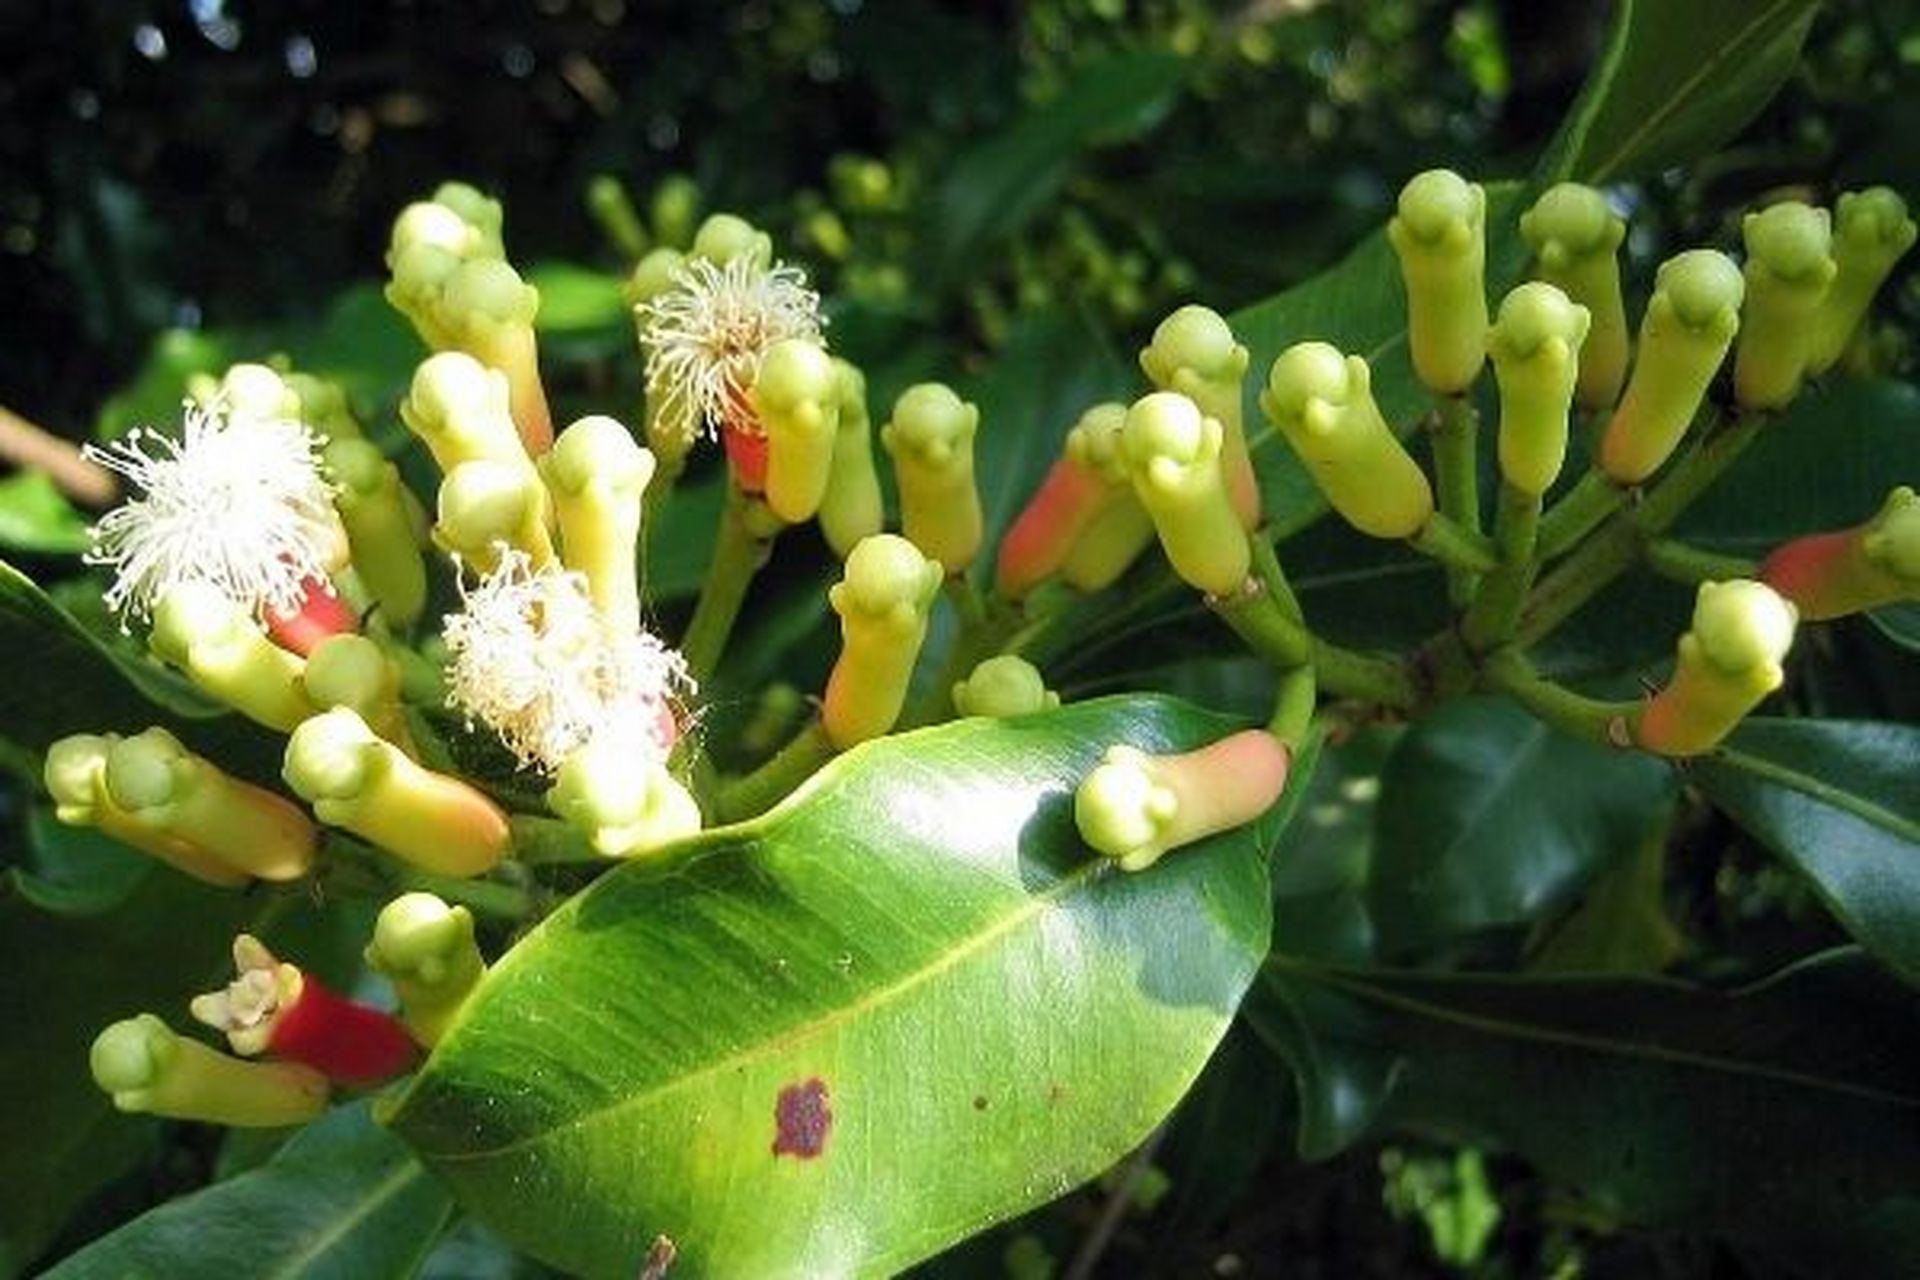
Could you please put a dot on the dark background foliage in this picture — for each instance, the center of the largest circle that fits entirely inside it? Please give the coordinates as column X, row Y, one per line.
column 211, row 166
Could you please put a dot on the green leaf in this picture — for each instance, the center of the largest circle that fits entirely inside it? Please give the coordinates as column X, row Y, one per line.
column 1785, row 1116
column 1490, row 818
column 582, row 311
column 153, row 397
column 80, row 685
column 1676, row 81
column 74, row 870
column 904, row 1005
column 1840, row 801
column 995, row 189
column 1899, row 623
column 344, row 1198
column 63, row 978
column 36, row 517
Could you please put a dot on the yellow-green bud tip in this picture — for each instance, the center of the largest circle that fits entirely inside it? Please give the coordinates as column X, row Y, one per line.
column 417, row 933
column 1121, row 809
column 429, row 224
column 886, row 572
column 794, row 371
column 1094, row 442
column 1007, row 685
column 329, row 756
column 1702, row 286
column 193, row 613
column 931, row 423
column 132, row 1054
column 1742, row 626
column 1307, row 372
column 1532, row 316
column 352, row 671
column 653, row 275
column 724, row 237
column 356, row 465
column 1893, row 541
column 596, row 448
column 1166, row 424
column 1439, row 205
column 143, row 771
column 1792, row 240
column 1571, row 220
column 474, row 206
column 1876, row 218
column 73, row 768
column 1194, row 338
column 451, row 386
column 490, row 288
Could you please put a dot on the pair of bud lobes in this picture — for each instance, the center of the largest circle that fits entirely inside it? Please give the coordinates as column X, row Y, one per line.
column 313, row 1038
column 1090, row 518
column 587, row 488
column 449, row 276
column 811, row 454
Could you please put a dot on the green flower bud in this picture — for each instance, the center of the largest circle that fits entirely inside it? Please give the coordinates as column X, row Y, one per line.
column 256, row 391
column 350, row 670
column 618, row 220
column 652, row 276
column 1727, row 664
column 76, row 777
column 459, row 409
column 674, row 209
column 851, row 509
column 597, row 476
column 323, row 406
column 1114, row 536
column 796, row 396
column 724, row 237
column 623, row 807
column 1194, row 353
column 1173, row 456
column 1440, row 236
column 417, row 276
column 1576, row 238
column 1323, row 403
column 162, row 787
column 1871, row 233
column 1134, row 807
column 426, row 949
column 1789, row 269
column 356, row 781
column 931, row 442
column 429, row 224
column 385, row 527
column 479, row 211
column 198, row 629
column 1089, row 477
column 1689, row 324
column 1832, row 575
column 1535, row 347
column 1004, row 686
column 486, row 505
column 884, row 600
column 146, row 1067
column 489, row 311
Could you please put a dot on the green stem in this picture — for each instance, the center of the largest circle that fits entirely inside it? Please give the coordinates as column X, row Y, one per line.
column 985, row 630
column 1294, row 700
column 539, row 841
column 1671, row 558
column 360, row 868
column 755, row 793
column 1607, row 724
column 1456, row 433
column 1262, row 624
column 1496, row 609
column 1575, row 513
column 1610, row 552
column 1466, row 553
column 737, row 555
column 1267, row 570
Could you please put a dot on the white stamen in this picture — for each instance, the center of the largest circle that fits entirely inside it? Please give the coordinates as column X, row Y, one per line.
column 531, row 658
column 238, row 502
column 705, row 336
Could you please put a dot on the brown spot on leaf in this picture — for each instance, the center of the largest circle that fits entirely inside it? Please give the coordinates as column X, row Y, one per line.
column 979, row 1102
column 659, row 1259
column 801, row 1119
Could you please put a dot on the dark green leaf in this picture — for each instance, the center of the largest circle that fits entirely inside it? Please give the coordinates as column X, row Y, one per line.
column 992, row 191
column 344, row 1199
column 1899, row 623
column 63, row 978
column 918, row 945
column 582, row 311
column 74, row 870
column 1840, row 801
column 80, row 685
column 1676, row 81
column 36, row 517
column 1489, row 818
column 1785, row 1116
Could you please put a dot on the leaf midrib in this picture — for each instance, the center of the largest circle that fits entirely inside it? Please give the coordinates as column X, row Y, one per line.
column 1822, row 792
column 1635, row 1050
column 1029, row 908
column 407, row 1172
column 1605, row 170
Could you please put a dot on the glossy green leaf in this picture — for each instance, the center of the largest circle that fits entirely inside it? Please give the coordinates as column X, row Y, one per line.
column 1899, row 623
column 582, row 311
column 1676, row 81
column 904, row 1005
column 345, row 1198
column 1785, row 1116
column 1489, row 818
column 72, row 870
column 36, row 517
column 1840, row 801
column 992, row 191
column 63, row 978
column 80, row 685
